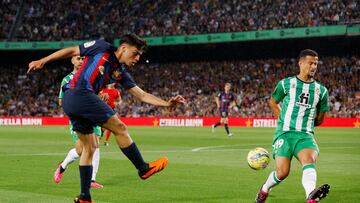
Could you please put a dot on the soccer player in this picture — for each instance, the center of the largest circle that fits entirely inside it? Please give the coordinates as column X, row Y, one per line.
column 113, row 101
column 104, row 64
column 224, row 102
column 304, row 103
column 75, row 153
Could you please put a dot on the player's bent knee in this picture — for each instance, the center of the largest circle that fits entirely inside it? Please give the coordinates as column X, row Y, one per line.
column 282, row 173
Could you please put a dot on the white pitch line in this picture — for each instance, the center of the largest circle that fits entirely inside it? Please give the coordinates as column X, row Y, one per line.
column 202, row 149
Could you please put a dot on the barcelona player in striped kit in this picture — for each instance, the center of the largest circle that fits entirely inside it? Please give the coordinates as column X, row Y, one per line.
column 224, row 102
column 104, row 64
column 304, row 104
column 74, row 153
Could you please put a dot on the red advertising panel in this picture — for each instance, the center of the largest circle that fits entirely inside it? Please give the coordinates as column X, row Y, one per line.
column 177, row 121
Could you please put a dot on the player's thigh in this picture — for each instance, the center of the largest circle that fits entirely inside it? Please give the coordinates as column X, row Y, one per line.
column 306, row 151
column 115, row 125
column 78, row 146
column 283, row 146
column 224, row 116
column 225, row 120
column 88, row 141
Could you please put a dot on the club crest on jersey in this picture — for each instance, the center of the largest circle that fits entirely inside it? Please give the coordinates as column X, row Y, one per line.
column 304, row 100
column 101, row 69
column 116, row 74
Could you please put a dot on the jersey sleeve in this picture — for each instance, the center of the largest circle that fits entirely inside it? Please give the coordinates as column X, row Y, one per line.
column 279, row 92
column 323, row 105
column 94, row 47
column 127, row 80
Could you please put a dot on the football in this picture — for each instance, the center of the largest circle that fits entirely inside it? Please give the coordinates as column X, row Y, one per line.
column 258, row 158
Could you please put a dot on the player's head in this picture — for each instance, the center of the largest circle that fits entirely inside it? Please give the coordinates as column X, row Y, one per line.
column 77, row 61
column 308, row 61
column 130, row 49
column 227, row 87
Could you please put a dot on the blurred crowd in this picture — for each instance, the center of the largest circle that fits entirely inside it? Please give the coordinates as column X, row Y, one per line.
column 252, row 82
column 92, row 19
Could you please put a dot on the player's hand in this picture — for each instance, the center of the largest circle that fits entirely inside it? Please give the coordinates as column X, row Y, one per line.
column 35, row 65
column 104, row 97
column 176, row 100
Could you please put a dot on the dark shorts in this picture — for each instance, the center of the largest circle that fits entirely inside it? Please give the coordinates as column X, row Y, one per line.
column 85, row 110
column 224, row 114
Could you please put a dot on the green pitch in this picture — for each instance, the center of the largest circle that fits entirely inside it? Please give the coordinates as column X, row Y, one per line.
column 203, row 167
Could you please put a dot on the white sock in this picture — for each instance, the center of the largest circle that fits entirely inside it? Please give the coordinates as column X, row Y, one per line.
column 95, row 163
column 70, row 157
column 309, row 180
column 270, row 182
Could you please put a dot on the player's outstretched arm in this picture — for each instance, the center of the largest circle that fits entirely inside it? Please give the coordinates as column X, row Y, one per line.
column 319, row 118
column 217, row 101
column 274, row 106
column 61, row 54
column 154, row 100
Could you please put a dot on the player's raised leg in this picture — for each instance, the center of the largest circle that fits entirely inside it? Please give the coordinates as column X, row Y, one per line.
column 129, row 148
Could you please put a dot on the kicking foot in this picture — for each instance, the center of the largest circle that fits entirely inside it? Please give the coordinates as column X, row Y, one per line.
column 318, row 194
column 94, row 184
column 154, row 167
column 58, row 174
column 261, row 196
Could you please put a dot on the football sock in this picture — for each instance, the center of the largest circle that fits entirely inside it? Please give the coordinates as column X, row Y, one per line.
column 217, row 124
column 270, row 182
column 71, row 157
column 227, row 128
column 134, row 155
column 107, row 135
column 309, row 178
column 85, row 180
column 95, row 163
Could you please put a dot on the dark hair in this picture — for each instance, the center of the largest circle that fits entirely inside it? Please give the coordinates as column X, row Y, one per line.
column 307, row 52
column 134, row 40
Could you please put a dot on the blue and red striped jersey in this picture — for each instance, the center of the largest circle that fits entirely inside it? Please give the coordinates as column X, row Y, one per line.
column 100, row 67
column 225, row 99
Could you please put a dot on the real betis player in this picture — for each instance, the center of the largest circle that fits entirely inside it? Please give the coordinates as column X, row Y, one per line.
column 75, row 153
column 304, row 104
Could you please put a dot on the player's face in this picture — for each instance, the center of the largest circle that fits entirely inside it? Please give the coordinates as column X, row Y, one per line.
column 77, row 61
column 308, row 65
column 131, row 55
column 227, row 88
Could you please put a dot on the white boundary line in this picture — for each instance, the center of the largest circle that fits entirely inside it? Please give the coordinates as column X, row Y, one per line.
column 218, row 148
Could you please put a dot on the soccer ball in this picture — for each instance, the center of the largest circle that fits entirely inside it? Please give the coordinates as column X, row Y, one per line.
column 258, row 158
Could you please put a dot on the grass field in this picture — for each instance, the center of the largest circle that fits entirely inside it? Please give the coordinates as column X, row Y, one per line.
column 204, row 167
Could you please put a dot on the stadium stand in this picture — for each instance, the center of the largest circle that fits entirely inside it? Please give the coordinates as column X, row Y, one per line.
column 251, row 79
column 43, row 20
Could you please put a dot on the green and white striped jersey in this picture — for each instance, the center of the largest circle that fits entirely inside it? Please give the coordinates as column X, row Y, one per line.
column 64, row 81
column 300, row 103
